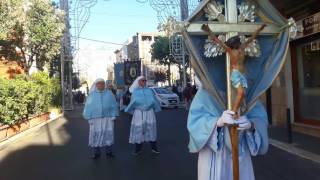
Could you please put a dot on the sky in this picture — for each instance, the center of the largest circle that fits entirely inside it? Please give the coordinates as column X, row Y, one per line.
column 111, row 21
column 117, row 20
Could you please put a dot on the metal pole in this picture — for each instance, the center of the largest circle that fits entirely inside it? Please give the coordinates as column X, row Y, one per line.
column 184, row 9
column 62, row 62
column 289, row 128
column 269, row 104
column 184, row 15
column 68, row 56
column 184, row 66
column 70, row 84
column 62, row 75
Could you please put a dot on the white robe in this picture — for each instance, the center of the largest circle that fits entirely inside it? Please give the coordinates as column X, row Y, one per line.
column 101, row 132
column 143, row 127
column 217, row 165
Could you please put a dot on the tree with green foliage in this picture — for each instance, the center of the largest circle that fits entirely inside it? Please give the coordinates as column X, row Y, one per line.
column 45, row 29
column 11, row 14
column 35, row 28
column 160, row 51
column 12, row 18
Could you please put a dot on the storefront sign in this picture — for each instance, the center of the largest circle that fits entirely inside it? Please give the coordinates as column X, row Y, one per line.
column 311, row 24
column 308, row 26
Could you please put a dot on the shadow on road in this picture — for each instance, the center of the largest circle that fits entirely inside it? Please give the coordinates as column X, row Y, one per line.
column 60, row 152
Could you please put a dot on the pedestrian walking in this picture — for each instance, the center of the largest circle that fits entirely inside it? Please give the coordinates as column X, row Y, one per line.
column 188, row 95
column 126, row 98
column 175, row 89
column 143, row 106
column 194, row 90
column 180, row 91
column 119, row 97
column 100, row 110
column 111, row 88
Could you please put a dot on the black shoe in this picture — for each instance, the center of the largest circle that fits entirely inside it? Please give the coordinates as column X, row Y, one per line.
column 95, row 156
column 136, row 153
column 95, row 152
column 110, row 155
column 155, row 150
column 137, row 149
column 154, row 147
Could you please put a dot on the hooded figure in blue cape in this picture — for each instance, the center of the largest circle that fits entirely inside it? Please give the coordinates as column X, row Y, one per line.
column 208, row 119
column 143, row 105
column 209, row 137
column 100, row 110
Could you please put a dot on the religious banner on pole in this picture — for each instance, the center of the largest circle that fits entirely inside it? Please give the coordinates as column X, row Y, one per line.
column 119, row 74
column 262, row 39
column 132, row 69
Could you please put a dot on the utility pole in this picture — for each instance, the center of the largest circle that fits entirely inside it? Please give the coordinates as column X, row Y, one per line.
column 184, row 15
column 66, row 60
column 184, row 9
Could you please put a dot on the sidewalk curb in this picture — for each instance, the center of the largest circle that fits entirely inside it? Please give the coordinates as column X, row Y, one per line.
column 294, row 150
column 27, row 132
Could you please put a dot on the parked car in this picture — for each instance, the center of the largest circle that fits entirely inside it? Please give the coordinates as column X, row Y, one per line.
column 167, row 98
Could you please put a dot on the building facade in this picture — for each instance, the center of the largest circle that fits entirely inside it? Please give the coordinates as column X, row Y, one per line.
column 297, row 88
column 139, row 48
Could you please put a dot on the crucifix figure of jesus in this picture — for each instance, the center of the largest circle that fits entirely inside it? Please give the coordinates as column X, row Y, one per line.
column 236, row 51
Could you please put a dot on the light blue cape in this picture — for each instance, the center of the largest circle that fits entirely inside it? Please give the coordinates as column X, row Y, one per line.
column 100, row 104
column 143, row 99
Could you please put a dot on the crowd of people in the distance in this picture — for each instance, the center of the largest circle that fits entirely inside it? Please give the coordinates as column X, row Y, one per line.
column 185, row 94
column 79, row 97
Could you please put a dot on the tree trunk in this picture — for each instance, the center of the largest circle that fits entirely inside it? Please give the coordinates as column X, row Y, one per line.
column 23, row 62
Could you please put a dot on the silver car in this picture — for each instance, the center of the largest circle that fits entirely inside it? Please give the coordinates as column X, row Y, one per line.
column 167, row 98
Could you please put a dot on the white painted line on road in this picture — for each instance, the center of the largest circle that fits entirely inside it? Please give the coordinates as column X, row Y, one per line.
column 296, row 151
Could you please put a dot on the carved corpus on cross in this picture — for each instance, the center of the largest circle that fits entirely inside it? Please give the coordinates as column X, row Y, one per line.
column 229, row 24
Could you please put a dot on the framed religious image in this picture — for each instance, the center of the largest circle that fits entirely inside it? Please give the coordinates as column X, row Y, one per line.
column 132, row 70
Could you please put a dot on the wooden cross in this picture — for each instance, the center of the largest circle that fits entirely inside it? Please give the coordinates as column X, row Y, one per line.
column 231, row 28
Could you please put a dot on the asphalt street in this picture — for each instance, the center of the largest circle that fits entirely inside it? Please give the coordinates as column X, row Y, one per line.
column 59, row 151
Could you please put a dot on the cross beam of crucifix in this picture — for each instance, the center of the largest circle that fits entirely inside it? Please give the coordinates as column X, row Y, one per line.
column 243, row 28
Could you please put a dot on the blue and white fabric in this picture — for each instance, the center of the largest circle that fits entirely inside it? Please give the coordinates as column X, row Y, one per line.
column 143, row 127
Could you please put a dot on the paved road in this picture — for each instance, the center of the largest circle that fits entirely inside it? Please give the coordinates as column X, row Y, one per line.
column 60, row 152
